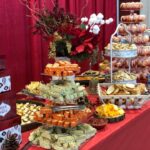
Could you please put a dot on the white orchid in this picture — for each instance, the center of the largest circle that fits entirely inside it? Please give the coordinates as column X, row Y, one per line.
column 100, row 16
column 92, row 21
column 102, row 22
column 111, row 20
column 95, row 22
column 107, row 21
column 98, row 21
column 96, row 29
column 86, row 27
column 93, row 15
column 84, row 19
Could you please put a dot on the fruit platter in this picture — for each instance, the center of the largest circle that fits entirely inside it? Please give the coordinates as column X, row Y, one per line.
column 130, row 96
column 111, row 112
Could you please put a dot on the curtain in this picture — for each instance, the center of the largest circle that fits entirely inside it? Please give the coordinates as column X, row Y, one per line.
column 27, row 54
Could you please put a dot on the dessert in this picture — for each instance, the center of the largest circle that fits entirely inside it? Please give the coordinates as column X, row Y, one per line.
column 65, row 118
column 26, row 111
column 131, row 6
column 135, row 18
column 133, row 28
column 104, row 67
column 61, row 68
column 65, row 92
column 123, row 76
column 121, row 46
column 60, row 139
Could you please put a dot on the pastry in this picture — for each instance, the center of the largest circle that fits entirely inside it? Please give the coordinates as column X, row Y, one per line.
column 121, row 46
column 61, row 68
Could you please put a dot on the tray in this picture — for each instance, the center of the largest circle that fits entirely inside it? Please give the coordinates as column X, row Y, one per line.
column 79, row 100
column 32, row 125
column 68, row 107
column 125, row 81
column 116, row 119
column 121, row 53
column 85, row 120
column 124, row 101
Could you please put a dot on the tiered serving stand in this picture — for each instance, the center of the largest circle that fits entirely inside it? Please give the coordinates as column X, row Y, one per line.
column 124, row 101
column 138, row 64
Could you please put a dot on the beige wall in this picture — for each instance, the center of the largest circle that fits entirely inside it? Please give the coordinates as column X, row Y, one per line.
column 146, row 11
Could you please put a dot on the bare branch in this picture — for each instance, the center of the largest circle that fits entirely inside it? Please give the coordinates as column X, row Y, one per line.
column 83, row 8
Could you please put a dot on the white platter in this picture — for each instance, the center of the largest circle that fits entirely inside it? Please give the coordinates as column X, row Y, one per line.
column 121, row 53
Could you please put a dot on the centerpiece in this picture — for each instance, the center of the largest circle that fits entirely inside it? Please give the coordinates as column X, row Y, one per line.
column 69, row 36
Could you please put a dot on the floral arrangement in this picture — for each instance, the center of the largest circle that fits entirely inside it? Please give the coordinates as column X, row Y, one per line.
column 78, row 41
column 69, row 36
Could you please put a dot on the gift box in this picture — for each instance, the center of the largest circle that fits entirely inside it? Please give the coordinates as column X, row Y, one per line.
column 5, row 84
column 10, row 129
column 7, row 105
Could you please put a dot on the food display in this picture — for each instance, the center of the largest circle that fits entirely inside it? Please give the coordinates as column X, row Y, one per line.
column 65, row 92
column 141, row 37
column 60, row 139
column 26, row 111
column 128, row 96
column 121, row 46
column 135, row 18
column 133, row 28
column 140, row 65
column 64, row 119
column 91, row 73
column 104, row 67
column 61, row 68
column 143, row 50
column 122, row 75
column 125, row 89
column 98, row 123
column 131, row 6
column 110, row 111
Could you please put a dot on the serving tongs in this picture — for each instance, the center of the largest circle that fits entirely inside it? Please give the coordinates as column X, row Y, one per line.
column 69, row 107
column 26, row 92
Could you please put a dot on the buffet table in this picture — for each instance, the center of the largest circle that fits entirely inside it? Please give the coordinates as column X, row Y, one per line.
column 129, row 134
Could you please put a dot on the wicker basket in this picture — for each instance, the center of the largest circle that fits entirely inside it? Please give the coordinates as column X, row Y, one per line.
column 124, row 101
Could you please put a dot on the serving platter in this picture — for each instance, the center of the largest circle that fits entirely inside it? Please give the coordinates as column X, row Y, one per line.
column 121, row 53
column 32, row 125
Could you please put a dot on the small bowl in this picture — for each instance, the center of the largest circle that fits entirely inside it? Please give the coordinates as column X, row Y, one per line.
column 98, row 123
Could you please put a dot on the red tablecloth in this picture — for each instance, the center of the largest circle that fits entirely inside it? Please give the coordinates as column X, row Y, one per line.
column 133, row 133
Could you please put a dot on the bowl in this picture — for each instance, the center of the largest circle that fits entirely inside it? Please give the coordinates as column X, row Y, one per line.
column 98, row 123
